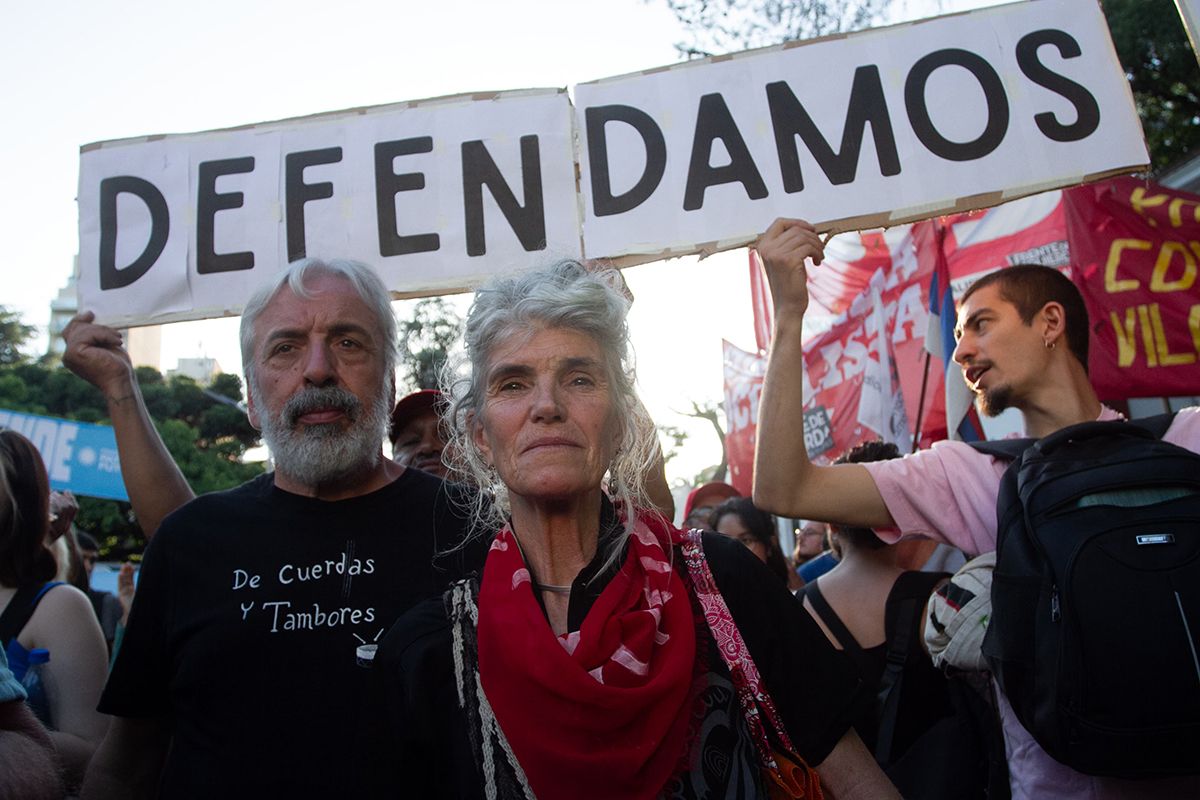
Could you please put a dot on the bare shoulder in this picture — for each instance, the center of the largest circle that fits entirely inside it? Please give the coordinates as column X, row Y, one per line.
column 63, row 598
column 62, row 612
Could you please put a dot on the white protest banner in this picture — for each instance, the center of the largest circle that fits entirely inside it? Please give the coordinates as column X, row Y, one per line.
column 870, row 129
column 435, row 194
column 866, row 130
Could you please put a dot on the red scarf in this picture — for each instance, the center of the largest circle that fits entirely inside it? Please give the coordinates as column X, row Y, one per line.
column 602, row 712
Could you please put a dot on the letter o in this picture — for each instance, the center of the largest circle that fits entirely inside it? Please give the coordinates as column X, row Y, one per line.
column 918, row 109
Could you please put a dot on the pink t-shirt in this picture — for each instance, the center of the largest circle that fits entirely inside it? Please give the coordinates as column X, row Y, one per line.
column 948, row 493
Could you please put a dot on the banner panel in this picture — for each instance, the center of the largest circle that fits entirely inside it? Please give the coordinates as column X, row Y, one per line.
column 435, row 194
column 1135, row 248
column 80, row 457
column 904, row 123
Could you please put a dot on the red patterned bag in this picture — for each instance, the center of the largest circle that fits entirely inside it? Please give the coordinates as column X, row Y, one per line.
column 785, row 772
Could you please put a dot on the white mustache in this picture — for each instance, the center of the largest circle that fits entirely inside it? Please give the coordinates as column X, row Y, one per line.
column 317, row 398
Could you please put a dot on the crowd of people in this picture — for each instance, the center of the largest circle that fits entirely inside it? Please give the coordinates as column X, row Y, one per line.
column 504, row 608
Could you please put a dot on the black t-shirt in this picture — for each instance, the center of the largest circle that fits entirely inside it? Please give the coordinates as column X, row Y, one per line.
column 245, row 629
column 815, row 687
column 924, row 697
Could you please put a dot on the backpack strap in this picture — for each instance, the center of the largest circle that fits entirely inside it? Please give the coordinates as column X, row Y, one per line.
column 1004, row 449
column 1157, row 424
column 21, row 608
column 913, row 589
column 850, row 646
column 892, row 680
column 1011, row 449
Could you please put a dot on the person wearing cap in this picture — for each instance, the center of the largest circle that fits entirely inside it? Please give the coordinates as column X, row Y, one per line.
column 703, row 501
column 416, row 433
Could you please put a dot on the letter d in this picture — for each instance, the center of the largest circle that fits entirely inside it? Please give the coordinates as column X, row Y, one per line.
column 111, row 276
column 604, row 202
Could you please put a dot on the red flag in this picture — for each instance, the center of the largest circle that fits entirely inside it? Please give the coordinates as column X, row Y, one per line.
column 760, row 296
column 1135, row 247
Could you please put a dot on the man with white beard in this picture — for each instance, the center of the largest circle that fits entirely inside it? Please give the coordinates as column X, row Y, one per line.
column 244, row 669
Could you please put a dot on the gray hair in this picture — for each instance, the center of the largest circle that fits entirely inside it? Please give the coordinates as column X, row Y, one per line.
column 297, row 274
column 564, row 295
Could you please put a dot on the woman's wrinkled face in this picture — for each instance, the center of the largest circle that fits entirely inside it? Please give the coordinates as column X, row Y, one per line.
column 547, row 424
column 731, row 525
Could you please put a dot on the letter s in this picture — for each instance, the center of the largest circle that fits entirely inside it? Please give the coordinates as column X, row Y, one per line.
column 1086, row 110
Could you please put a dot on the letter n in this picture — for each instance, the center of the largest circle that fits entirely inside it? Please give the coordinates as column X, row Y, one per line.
column 528, row 222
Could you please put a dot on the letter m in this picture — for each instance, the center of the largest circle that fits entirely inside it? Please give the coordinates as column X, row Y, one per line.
column 867, row 105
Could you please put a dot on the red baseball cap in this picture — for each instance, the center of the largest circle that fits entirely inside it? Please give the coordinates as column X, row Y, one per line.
column 412, row 405
column 718, row 491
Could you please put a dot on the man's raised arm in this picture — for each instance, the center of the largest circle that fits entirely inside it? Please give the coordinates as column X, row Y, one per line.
column 155, row 485
column 785, row 481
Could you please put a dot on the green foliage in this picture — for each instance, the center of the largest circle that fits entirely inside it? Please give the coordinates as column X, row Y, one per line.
column 204, row 430
column 715, row 27
column 227, row 385
column 1163, row 72
column 14, row 335
column 426, row 338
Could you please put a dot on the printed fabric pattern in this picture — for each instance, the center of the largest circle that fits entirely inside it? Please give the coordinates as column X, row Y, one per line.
column 624, row 678
column 792, row 778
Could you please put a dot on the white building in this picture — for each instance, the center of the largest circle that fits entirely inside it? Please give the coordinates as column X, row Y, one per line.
column 201, row 369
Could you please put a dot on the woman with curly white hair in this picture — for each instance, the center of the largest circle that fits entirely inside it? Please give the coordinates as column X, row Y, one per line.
column 602, row 652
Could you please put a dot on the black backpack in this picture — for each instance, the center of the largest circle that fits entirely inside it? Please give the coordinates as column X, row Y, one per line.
column 1095, row 622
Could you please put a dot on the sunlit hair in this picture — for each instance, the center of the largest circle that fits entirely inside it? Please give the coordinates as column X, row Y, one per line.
column 1029, row 288
column 874, row 450
column 25, row 556
column 760, row 525
column 297, row 276
column 566, row 296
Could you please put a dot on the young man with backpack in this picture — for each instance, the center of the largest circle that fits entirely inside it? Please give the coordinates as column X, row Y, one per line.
column 1022, row 344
